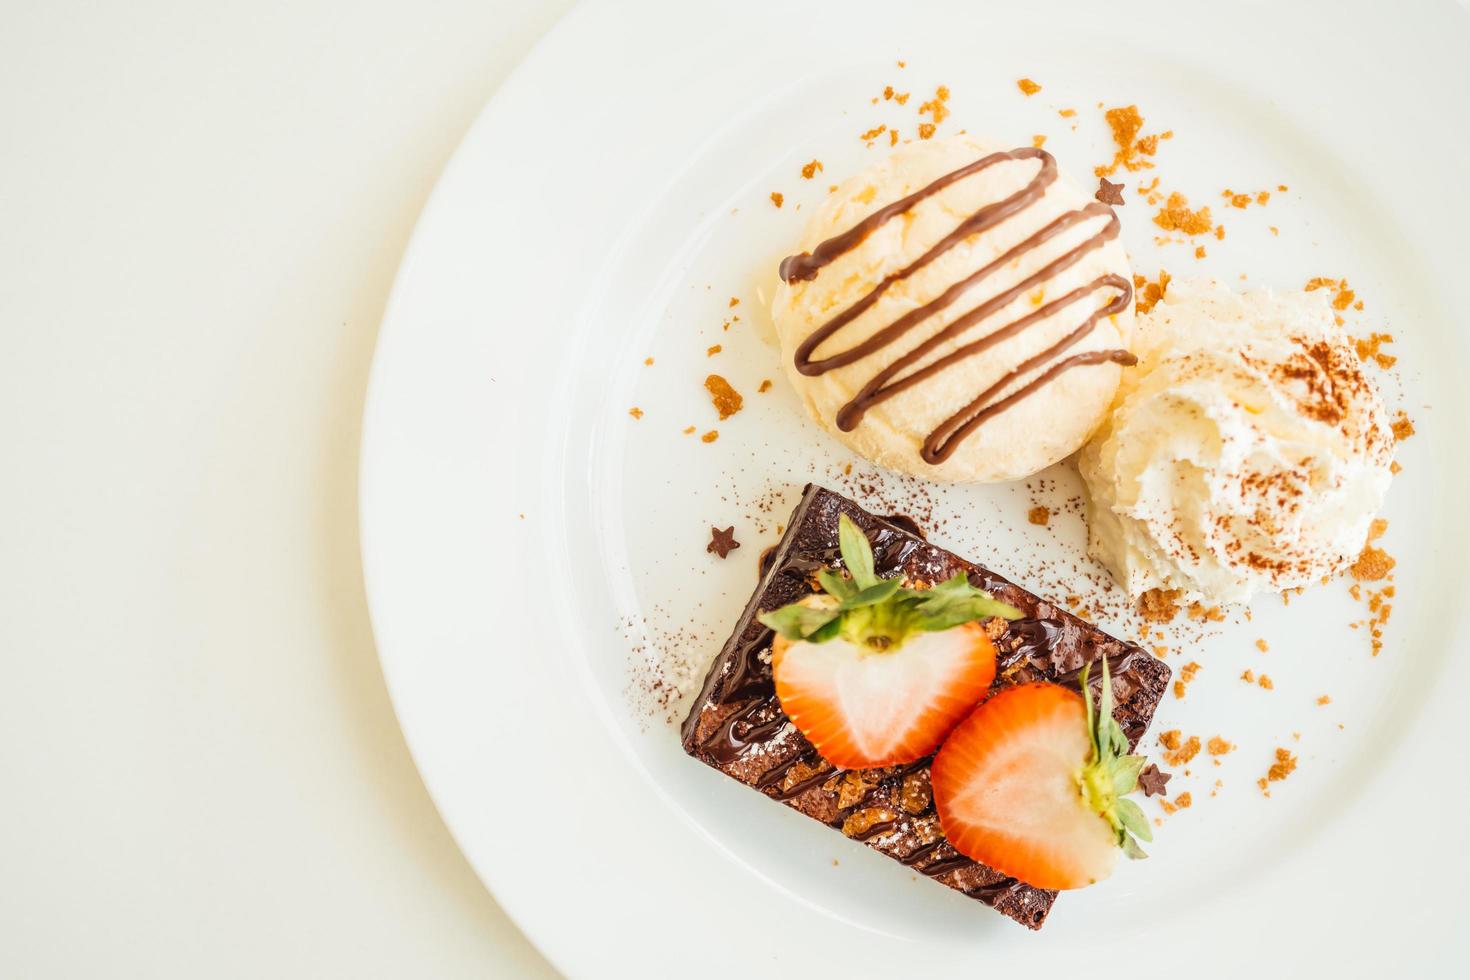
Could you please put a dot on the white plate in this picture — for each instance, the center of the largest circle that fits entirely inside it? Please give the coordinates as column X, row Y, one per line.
column 532, row 552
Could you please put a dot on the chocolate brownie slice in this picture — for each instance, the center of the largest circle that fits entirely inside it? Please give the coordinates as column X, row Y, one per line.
column 737, row 725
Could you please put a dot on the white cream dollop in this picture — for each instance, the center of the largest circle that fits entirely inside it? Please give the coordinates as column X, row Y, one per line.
column 1248, row 451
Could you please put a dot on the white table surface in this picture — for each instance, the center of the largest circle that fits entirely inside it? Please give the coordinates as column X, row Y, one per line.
column 202, row 206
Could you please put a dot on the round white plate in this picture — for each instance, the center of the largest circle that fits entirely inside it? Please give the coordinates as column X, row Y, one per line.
column 535, row 555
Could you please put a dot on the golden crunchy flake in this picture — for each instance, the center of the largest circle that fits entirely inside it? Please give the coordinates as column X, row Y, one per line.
column 1176, row 215
column 726, row 399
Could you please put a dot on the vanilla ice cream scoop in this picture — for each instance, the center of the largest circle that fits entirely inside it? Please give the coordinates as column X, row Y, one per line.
column 958, row 312
column 1247, row 451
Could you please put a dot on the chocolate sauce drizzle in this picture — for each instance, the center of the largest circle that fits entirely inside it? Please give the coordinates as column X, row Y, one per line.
column 907, row 371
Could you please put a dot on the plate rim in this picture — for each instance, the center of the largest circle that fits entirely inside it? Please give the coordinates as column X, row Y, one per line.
column 533, row 925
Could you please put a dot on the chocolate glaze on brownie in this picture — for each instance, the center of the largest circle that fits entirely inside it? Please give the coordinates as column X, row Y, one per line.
column 737, row 725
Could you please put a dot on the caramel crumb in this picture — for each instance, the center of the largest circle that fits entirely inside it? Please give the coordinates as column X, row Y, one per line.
column 1273, row 229
column 1395, row 468
column 1199, row 251
column 1186, row 674
column 926, row 130
column 1038, row 141
column 765, row 386
column 1373, row 565
column 935, row 108
column 1263, row 646
column 1370, row 348
column 1039, row 515
column 734, row 300
column 1202, row 613
column 1027, row 86
column 863, row 823
column 1342, row 296
column 1147, row 294
column 1219, row 746
column 1183, row 801
column 901, row 98
column 1159, row 605
column 811, row 169
column 1183, row 752
column 648, row 361
column 1324, row 700
column 1066, row 113
column 1176, row 215
column 1220, row 235
column 636, row 412
column 712, row 351
column 1265, row 682
column 1171, row 739
column 893, row 137
column 1284, row 766
column 710, row 436
column 1248, row 676
column 689, row 430
column 727, row 400
column 1126, row 124
column 777, row 198
column 1402, row 427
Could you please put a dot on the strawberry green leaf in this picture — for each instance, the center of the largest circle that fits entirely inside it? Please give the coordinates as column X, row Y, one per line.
column 835, row 585
column 857, row 554
column 1111, row 773
column 1125, row 774
column 880, row 613
column 871, row 596
column 1119, row 741
column 955, row 602
column 1091, row 721
column 799, row 620
column 827, row 632
column 1130, row 815
column 1104, row 740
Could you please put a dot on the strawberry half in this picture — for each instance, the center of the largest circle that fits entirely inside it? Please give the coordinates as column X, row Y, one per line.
column 1031, row 783
column 862, row 708
column 874, row 673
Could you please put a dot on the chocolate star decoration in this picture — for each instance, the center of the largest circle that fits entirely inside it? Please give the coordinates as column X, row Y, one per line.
column 722, row 542
column 1108, row 192
column 1152, row 780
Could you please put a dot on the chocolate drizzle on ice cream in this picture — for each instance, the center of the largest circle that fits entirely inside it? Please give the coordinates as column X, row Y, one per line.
column 908, row 369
